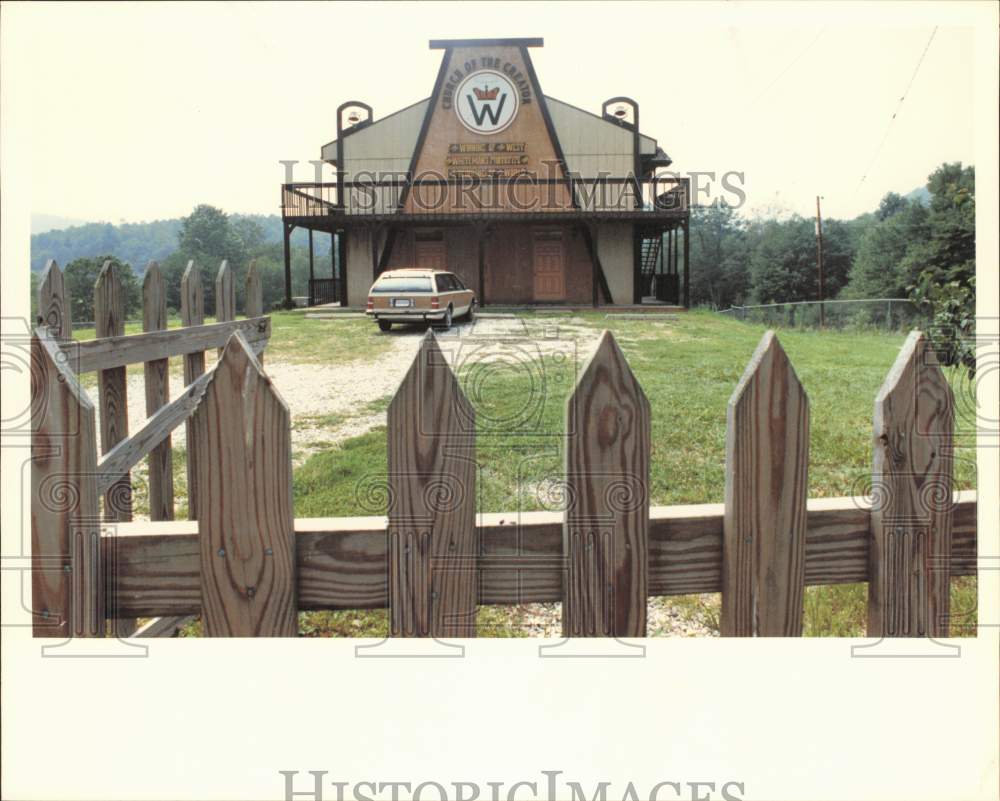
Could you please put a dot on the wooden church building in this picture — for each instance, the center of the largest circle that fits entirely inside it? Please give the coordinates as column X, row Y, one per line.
column 528, row 199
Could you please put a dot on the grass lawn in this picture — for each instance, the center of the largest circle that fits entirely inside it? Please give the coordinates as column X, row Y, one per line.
column 687, row 366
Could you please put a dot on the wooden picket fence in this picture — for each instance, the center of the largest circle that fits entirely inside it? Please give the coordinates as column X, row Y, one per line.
column 247, row 565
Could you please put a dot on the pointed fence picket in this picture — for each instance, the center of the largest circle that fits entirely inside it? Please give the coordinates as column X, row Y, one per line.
column 767, row 458
column 912, row 500
column 432, row 506
column 606, row 535
column 112, row 391
column 192, row 314
column 53, row 303
column 157, row 378
column 247, row 566
column 245, row 526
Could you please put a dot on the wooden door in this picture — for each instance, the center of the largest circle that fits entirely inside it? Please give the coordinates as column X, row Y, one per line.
column 430, row 255
column 549, row 260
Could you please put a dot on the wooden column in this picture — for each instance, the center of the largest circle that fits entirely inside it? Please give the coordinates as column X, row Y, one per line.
column 287, row 240
column 912, row 500
column 606, row 533
column 687, row 270
column 767, row 459
column 109, row 317
column 312, row 275
column 157, row 377
column 192, row 314
column 67, row 574
column 245, row 527
column 53, row 303
column 432, row 527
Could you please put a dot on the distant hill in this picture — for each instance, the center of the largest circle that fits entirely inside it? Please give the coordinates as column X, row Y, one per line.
column 138, row 243
column 40, row 223
column 921, row 195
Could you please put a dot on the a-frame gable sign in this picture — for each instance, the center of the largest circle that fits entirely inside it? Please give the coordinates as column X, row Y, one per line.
column 487, row 120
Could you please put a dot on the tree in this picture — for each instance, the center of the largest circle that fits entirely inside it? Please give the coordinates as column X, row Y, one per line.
column 880, row 268
column 81, row 275
column 718, row 255
column 945, row 264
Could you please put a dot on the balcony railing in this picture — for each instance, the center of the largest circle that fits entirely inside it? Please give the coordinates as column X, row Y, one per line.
column 661, row 196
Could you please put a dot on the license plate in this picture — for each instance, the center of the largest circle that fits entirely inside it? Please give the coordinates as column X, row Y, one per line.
column 397, row 302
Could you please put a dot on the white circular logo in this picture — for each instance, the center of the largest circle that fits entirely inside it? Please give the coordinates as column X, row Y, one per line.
column 486, row 102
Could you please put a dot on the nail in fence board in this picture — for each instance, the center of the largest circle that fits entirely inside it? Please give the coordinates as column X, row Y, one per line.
column 157, row 376
column 432, row 530
column 606, row 531
column 912, row 501
column 767, row 458
column 109, row 316
column 245, row 525
column 192, row 314
column 66, row 550
column 53, row 303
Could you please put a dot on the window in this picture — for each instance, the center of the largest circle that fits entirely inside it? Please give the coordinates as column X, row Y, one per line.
column 402, row 283
column 459, row 286
column 443, row 284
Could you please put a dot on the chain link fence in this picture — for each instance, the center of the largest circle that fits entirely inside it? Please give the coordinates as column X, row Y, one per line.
column 885, row 314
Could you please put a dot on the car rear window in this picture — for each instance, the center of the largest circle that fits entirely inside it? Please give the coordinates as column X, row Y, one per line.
column 403, row 283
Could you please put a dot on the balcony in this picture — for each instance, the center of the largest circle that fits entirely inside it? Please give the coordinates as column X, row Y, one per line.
column 659, row 200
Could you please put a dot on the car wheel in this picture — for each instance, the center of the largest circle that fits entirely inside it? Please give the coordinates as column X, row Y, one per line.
column 446, row 320
column 470, row 315
column 384, row 325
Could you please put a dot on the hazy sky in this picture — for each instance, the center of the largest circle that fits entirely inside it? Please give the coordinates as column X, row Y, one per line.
column 140, row 111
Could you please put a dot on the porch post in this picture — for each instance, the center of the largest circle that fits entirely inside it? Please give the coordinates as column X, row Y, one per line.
column 687, row 271
column 312, row 277
column 342, row 265
column 288, row 265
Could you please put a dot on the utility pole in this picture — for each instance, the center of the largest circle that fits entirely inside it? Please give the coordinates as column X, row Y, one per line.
column 819, row 261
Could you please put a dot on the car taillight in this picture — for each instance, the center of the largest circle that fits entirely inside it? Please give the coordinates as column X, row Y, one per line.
column 435, row 303
column 371, row 303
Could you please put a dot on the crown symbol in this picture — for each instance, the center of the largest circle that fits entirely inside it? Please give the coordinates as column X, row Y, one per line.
column 486, row 94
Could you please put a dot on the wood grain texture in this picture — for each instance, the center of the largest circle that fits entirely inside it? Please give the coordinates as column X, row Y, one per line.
column 112, row 352
column 254, row 291
column 255, row 298
column 127, row 453
column 245, row 502
column 342, row 561
column 912, row 497
column 225, row 293
column 53, row 303
column 66, row 549
column 432, row 527
column 767, row 462
column 112, row 393
column 192, row 314
column 157, row 379
column 607, row 486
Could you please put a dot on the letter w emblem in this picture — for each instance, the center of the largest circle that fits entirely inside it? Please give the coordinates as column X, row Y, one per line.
column 486, row 110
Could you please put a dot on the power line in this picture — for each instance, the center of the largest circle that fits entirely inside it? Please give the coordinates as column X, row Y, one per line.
column 781, row 74
column 899, row 105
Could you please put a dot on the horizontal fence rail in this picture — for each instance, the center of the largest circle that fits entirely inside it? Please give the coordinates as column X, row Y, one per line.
column 341, row 562
column 246, row 565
